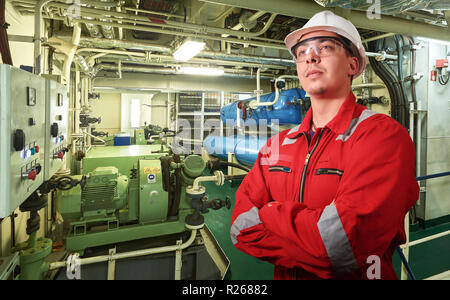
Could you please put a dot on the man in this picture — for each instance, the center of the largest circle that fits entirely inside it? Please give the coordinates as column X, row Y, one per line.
column 327, row 199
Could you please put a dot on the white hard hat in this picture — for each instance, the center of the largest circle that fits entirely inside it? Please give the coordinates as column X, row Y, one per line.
column 326, row 20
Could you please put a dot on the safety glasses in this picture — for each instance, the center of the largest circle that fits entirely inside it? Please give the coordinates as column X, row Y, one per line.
column 323, row 46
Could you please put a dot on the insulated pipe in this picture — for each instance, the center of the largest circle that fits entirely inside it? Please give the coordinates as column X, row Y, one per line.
column 254, row 104
column 218, row 178
column 90, row 42
column 84, row 11
column 170, row 59
column 116, row 256
column 37, row 36
column 252, row 18
column 71, row 53
column 153, row 12
column 305, row 9
column 186, row 34
column 164, row 71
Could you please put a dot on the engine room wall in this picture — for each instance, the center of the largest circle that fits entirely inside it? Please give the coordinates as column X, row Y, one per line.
column 126, row 114
column 108, row 107
column 434, row 114
column 21, row 52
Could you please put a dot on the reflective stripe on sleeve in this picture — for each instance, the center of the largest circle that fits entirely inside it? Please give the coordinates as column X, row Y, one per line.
column 245, row 220
column 336, row 242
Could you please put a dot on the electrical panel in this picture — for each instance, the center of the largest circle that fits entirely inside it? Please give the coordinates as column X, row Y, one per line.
column 22, row 126
column 56, row 122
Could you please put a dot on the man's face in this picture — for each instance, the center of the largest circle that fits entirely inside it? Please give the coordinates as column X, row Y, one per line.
column 325, row 75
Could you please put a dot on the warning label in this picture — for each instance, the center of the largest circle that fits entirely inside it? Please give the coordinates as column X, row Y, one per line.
column 152, row 170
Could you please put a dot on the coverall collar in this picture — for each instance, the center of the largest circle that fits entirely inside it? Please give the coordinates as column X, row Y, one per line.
column 338, row 124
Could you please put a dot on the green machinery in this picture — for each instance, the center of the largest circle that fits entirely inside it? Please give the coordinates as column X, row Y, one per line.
column 134, row 198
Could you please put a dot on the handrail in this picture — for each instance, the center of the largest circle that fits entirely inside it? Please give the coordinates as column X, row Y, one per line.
column 408, row 244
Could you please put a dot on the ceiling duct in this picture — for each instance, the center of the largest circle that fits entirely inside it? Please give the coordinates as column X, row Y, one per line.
column 387, row 6
column 163, row 6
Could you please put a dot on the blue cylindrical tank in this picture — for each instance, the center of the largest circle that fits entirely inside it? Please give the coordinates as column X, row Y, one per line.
column 289, row 109
column 245, row 148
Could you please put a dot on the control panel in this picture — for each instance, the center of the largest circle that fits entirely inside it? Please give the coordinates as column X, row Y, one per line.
column 56, row 116
column 22, row 125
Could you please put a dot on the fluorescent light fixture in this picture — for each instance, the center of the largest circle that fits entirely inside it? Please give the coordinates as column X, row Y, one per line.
column 201, row 71
column 188, row 50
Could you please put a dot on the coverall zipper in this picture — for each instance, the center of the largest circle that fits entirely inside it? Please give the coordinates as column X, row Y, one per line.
column 302, row 182
column 308, row 156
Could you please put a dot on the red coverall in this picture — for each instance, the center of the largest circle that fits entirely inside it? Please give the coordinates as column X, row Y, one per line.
column 323, row 208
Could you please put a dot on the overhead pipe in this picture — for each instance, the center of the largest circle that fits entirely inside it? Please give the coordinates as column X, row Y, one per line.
column 71, row 53
column 305, row 9
column 85, row 11
column 173, row 71
column 154, row 12
column 37, row 36
column 106, row 43
column 90, row 42
column 262, row 31
column 184, row 34
column 162, row 58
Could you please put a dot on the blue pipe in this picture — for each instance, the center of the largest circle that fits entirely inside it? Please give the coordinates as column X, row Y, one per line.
column 290, row 108
column 245, row 148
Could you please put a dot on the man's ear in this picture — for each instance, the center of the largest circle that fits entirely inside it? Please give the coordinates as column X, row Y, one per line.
column 353, row 66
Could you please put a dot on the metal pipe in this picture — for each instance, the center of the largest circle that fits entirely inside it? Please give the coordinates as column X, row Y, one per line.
column 37, row 36
column 263, row 30
column 153, row 12
column 169, row 59
column 381, row 36
column 254, row 104
column 71, row 52
column 218, row 178
column 84, row 11
column 305, row 9
column 381, row 56
column 106, row 43
column 186, row 34
column 166, row 71
column 137, row 253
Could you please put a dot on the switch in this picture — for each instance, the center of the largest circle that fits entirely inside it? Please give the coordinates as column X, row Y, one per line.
column 19, row 139
column 54, row 130
column 30, row 175
column 31, row 121
column 59, row 155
